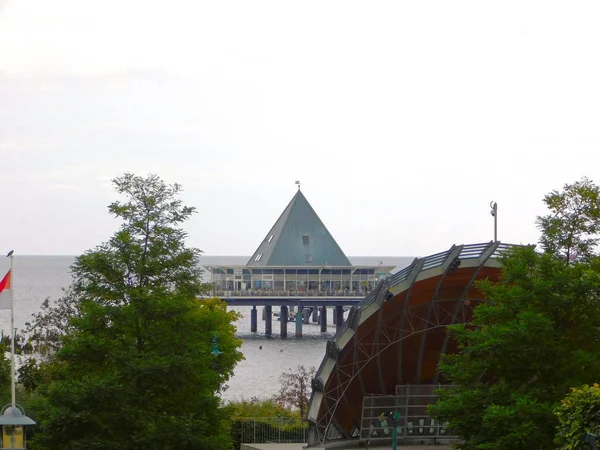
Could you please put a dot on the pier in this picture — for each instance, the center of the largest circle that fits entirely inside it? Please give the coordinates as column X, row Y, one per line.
column 299, row 269
column 305, row 309
column 297, row 309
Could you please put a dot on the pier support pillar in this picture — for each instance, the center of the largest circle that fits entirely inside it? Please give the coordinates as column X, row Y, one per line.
column 339, row 317
column 315, row 315
column 253, row 319
column 268, row 313
column 306, row 316
column 299, row 317
column 283, row 320
column 323, row 319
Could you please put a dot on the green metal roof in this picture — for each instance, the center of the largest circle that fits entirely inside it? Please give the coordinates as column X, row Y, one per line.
column 298, row 238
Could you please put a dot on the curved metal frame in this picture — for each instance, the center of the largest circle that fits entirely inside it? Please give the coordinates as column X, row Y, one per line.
column 453, row 255
column 337, row 372
column 416, row 269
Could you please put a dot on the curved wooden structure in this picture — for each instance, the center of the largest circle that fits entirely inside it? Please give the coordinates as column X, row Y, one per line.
column 397, row 335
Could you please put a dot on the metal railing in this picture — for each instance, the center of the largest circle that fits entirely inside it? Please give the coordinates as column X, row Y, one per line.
column 471, row 251
column 267, row 430
column 414, row 425
column 297, row 293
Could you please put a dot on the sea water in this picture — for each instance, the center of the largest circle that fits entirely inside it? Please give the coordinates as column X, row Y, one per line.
column 36, row 278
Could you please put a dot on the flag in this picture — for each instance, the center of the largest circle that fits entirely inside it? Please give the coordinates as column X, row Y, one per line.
column 5, row 292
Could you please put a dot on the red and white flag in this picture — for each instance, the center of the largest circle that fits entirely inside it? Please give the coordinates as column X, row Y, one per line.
column 6, row 292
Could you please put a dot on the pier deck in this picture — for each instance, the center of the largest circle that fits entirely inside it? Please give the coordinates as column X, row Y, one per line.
column 291, row 301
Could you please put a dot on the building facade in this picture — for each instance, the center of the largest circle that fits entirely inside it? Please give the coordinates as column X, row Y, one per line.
column 297, row 257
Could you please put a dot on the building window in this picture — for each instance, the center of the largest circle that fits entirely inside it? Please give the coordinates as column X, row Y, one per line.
column 308, row 258
column 305, row 240
column 270, row 239
column 257, row 259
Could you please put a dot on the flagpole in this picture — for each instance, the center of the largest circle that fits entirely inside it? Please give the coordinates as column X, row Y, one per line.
column 12, row 336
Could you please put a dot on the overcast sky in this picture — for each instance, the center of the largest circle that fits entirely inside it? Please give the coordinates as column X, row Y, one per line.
column 402, row 119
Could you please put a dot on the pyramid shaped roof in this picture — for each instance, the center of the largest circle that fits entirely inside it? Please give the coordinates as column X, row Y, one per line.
column 298, row 238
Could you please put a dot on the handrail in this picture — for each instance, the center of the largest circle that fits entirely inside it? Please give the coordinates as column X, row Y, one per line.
column 295, row 293
column 470, row 251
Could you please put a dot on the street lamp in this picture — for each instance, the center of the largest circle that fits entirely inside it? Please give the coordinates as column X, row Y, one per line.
column 494, row 212
column 12, row 419
column 215, row 351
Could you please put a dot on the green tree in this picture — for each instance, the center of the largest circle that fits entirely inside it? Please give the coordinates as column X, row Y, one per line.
column 578, row 413
column 30, row 375
column 570, row 230
column 536, row 336
column 296, row 388
column 5, row 378
column 49, row 325
column 131, row 365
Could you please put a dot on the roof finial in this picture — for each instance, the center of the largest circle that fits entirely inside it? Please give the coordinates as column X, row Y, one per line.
column 298, row 183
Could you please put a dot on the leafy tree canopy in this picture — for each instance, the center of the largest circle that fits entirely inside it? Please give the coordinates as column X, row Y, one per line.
column 5, row 378
column 130, row 362
column 296, row 388
column 570, row 230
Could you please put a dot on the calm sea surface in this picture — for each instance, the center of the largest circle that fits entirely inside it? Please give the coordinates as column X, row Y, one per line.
column 37, row 277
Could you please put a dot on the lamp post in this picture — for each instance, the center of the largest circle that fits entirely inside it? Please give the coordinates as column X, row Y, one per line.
column 12, row 416
column 494, row 212
column 395, row 419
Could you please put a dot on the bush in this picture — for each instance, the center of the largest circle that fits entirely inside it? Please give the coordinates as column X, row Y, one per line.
column 578, row 413
column 255, row 408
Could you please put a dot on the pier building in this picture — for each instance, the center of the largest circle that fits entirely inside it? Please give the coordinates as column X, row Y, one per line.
column 298, row 264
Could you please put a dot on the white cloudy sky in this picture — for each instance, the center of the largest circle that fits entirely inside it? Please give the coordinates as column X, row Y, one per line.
column 402, row 119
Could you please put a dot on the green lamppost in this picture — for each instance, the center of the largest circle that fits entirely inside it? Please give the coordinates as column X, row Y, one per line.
column 215, row 350
column 395, row 419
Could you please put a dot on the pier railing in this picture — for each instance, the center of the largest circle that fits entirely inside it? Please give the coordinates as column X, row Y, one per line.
column 295, row 293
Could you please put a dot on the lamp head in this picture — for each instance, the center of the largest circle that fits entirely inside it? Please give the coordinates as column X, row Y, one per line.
column 215, row 351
